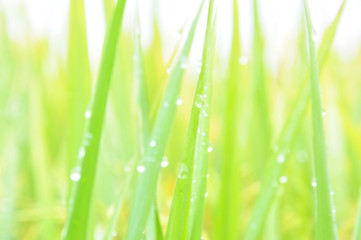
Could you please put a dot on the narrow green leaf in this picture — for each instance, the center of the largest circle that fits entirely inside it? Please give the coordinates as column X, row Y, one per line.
column 195, row 213
column 153, row 229
column 357, row 229
column 267, row 194
column 229, row 205
column 260, row 118
column 186, row 216
column 80, row 201
column 326, row 227
column 108, row 9
column 285, row 142
column 112, row 224
column 79, row 80
column 154, row 150
column 328, row 37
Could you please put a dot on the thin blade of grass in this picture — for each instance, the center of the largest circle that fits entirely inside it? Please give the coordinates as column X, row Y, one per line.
column 79, row 80
column 186, row 216
column 153, row 228
column 326, row 227
column 267, row 194
column 154, row 60
column 194, row 219
column 285, row 141
column 80, row 202
column 112, row 224
column 108, row 9
column 229, row 205
column 328, row 37
column 10, row 160
column 259, row 118
column 357, row 230
column 154, row 150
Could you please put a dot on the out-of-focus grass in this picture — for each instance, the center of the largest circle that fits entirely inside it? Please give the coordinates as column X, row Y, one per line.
column 260, row 173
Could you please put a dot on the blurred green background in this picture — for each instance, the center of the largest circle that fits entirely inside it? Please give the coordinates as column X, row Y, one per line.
column 45, row 86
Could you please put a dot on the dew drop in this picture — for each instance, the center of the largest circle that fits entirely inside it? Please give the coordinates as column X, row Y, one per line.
column 199, row 101
column 168, row 70
column 206, row 194
column 323, row 114
column 243, row 60
column 165, row 104
column 208, row 175
column 88, row 114
column 141, row 169
column 75, row 174
column 152, row 143
column 183, row 172
column 281, row 158
column 81, row 153
column 334, row 210
column 164, row 162
column 194, row 181
column 179, row 102
column 283, row 179
column 184, row 63
column 332, row 193
column 204, row 113
column 314, row 182
column 88, row 138
column 210, row 149
column 114, row 234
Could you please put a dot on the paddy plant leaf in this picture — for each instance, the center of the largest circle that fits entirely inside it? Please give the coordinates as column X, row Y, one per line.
column 84, row 177
column 326, row 227
column 154, row 150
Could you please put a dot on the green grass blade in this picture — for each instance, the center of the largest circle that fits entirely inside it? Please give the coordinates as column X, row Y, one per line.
column 328, row 37
column 186, row 216
column 145, row 191
column 260, row 119
column 79, row 79
column 267, row 194
column 357, row 229
column 194, row 219
column 112, row 224
column 153, row 228
column 285, row 141
column 229, row 205
column 326, row 227
column 108, row 9
column 80, row 202
column 143, row 129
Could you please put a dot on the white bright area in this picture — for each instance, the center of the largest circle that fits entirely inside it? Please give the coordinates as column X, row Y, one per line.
column 280, row 21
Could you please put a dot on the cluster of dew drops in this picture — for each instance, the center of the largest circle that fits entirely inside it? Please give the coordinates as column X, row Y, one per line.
column 75, row 174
